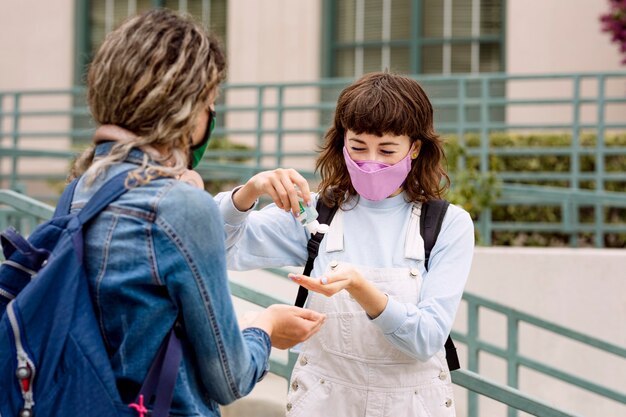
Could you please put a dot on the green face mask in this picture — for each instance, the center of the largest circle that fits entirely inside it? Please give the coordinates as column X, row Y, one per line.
column 196, row 152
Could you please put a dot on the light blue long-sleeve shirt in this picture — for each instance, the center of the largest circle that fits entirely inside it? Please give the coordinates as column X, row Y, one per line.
column 374, row 236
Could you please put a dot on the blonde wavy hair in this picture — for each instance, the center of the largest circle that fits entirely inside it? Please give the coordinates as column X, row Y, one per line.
column 153, row 76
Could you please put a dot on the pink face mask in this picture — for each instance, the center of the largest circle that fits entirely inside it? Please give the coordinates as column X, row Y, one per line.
column 376, row 180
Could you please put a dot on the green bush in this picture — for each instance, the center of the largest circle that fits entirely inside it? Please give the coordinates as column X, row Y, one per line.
column 216, row 183
column 476, row 191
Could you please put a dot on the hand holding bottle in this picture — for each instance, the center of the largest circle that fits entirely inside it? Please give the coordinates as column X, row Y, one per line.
column 279, row 185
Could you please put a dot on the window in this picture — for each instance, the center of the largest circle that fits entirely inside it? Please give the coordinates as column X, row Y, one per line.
column 418, row 37
column 102, row 16
column 96, row 18
column 105, row 15
column 415, row 36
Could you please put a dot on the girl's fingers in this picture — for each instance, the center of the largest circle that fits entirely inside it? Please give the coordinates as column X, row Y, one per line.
column 280, row 190
column 274, row 195
column 279, row 185
column 323, row 280
column 318, row 285
column 295, row 277
column 292, row 194
column 302, row 184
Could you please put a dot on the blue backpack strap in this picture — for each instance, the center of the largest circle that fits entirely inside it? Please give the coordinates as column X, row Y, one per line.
column 65, row 201
column 161, row 378
column 108, row 193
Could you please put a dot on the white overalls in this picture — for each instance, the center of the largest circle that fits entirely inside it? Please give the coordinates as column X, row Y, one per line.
column 349, row 368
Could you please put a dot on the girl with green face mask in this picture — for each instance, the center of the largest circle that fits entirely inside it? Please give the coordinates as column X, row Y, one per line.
column 196, row 152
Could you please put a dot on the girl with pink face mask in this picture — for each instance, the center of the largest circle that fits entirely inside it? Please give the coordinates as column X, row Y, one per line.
column 380, row 351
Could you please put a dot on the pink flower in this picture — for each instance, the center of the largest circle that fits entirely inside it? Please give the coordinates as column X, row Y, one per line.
column 614, row 23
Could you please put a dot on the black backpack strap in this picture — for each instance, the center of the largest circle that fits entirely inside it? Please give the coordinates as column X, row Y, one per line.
column 431, row 220
column 325, row 216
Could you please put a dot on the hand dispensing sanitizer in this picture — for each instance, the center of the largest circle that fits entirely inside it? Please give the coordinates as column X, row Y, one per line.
column 308, row 218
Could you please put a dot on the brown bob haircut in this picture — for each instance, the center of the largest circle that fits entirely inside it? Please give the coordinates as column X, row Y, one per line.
column 381, row 103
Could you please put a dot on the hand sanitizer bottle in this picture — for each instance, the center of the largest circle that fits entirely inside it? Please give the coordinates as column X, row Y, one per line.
column 308, row 218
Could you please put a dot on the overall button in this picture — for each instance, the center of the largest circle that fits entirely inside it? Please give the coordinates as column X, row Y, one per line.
column 303, row 361
column 448, row 402
column 414, row 272
column 294, row 385
column 289, row 406
column 443, row 375
column 334, row 264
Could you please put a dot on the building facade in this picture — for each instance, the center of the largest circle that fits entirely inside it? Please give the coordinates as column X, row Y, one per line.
column 286, row 40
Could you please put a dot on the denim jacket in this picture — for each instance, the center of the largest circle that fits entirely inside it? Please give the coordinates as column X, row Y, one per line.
column 155, row 254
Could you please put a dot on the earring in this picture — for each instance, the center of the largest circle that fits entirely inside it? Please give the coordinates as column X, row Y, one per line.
column 414, row 155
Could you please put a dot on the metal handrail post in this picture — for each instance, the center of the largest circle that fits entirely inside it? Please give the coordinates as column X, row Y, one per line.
column 472, row 353
column 599, row 213
column 575, row 157
column 279, row 126
column 462, row 85
column 16, row 137
column 259, row 127
column 512, row 351
column 485, row 216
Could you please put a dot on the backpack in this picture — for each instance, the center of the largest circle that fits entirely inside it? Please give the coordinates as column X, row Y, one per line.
column 53, row 361
column 431, row 219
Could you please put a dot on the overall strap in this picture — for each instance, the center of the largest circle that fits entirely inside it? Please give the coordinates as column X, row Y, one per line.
column 433, row 212
column 413, row 242
column 325, row 216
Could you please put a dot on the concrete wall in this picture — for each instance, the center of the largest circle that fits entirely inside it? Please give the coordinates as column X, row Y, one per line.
column 36, row 44
column 274, row 41
column 36, row 51
column 559, row 36
column 581, row 289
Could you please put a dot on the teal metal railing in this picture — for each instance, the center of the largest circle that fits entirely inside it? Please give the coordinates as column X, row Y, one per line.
column 515, row 360
column 470, row 378
column 20, row 210
column 283, row 122
column 24, row 212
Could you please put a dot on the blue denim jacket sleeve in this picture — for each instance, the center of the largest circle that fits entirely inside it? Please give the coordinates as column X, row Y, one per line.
column 227, row 361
